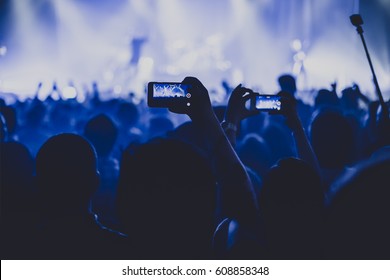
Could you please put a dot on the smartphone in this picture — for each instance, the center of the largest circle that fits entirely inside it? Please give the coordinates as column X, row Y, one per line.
column 168, row 94
column 268, row 102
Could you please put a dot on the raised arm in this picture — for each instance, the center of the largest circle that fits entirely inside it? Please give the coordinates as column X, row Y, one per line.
column 303, row 146
column 237, row 198
column 236, row 111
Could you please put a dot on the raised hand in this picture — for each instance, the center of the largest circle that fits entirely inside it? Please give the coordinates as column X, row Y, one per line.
column 237, row 196
column 289, row 110
column 304, row 149
column 198, row 106
column 236, row 110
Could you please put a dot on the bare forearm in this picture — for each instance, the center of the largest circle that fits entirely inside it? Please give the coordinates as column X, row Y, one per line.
column 238, row 200
column 304, row 148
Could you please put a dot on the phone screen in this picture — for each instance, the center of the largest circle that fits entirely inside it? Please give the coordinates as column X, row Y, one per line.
column 167, row 94
column 169, row 90
column 268, row 103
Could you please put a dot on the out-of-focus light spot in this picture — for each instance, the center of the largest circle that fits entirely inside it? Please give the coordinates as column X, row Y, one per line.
column 55, row 95
column 108, row 76
column 172, row 70
column 215, row 39
column 178, row 44
column 297, row 68
column 237, row 77
column 224, row 65
column 41, row 97
column 80, row 97
column 69, row 92
column 44, row 90
column 217, row 96
column 124, row 56
column 300, row 56
column 296, row 45
column 146, row 63
column 145, row 68
column 117, row 90
column 3, row 50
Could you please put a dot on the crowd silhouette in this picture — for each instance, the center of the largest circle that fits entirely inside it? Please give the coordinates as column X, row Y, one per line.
column 114, row 179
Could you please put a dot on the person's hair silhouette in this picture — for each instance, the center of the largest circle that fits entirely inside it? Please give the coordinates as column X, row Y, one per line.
column 332, row 137
column 67, row 177
column 358, row 211
column 292, row 202
column 102, row 132
column 66, row 172
column 18, row 200
column 166, row 199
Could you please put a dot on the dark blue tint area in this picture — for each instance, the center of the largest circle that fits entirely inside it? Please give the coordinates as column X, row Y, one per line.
column 281, row 149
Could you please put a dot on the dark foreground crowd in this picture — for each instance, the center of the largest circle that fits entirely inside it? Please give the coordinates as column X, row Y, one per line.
column 114, row 180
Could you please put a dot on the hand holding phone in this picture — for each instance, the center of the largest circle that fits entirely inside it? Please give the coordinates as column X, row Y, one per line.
column 189, row 97
column 237, row 108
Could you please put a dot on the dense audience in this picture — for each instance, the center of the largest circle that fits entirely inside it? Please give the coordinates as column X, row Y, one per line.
column 112, row 179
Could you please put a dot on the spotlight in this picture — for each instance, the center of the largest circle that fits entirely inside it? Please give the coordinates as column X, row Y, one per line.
column 69, row 92
column 3, row 50
column 296, row 45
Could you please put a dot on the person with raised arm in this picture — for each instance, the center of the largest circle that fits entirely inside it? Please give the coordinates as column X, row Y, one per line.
column 303, row 146
column 237, row 197
column 236, row 111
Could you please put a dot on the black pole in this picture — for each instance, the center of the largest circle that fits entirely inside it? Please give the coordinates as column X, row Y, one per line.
column 357, row 21
column 359, row 30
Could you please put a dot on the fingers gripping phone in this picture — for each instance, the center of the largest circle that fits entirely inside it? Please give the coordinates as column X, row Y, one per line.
column 167, row 94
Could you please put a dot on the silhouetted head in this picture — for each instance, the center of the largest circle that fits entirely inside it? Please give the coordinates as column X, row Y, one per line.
column 255, row 153
column 102, row 132
column 166, row 199
column 326, row 98
column 158, row 126
column 332, row 138
column 18, row 201
column 279, row 140
column 292, row 203
column 16, row 169
column 127, row 114
column 350, row 98
column 252, row 124
column 358, row 214
column 289, row 181
column 66, row 171
column 188, row 133
column 287, row 83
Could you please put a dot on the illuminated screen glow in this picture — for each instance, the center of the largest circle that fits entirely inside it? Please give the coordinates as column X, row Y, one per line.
column 268, row 103
column 169, row 90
